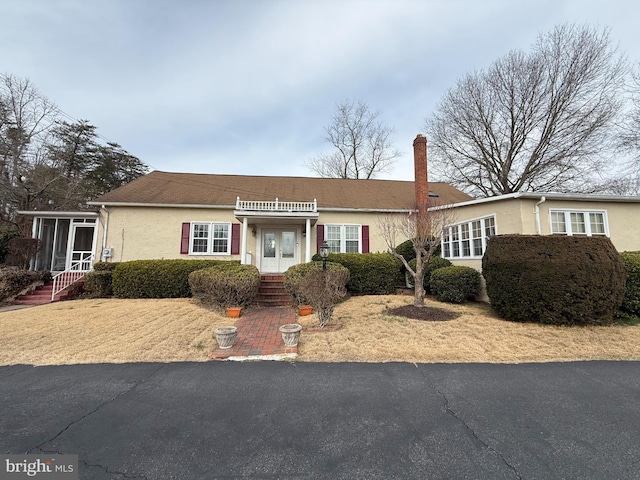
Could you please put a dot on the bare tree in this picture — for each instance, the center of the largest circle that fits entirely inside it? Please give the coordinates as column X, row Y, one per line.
column 630, row 138
column 424, row 228
column 537, row 121
column 362, row 143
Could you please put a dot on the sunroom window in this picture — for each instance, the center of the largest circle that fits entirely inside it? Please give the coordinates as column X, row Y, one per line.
column 468, row 239
column 574, row 222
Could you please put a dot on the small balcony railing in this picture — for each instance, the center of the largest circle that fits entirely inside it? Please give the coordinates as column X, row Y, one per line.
column 276, row 206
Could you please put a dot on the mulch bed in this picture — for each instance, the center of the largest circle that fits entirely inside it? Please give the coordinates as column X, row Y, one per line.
column 332, row 327
column 428, row 314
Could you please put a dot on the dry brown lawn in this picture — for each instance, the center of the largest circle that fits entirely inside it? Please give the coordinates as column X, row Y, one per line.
column 115, row 330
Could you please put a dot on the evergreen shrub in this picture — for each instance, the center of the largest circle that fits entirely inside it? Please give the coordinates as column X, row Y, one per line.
column 455, row 284
column 159, row 278
column 559, row 280
column 370, row 273
column 433, row 264
column 631, row 301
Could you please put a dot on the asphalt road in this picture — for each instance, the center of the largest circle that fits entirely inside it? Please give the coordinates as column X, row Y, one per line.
column 272, row 420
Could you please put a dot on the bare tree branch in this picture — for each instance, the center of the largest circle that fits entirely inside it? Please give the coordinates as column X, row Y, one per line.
column 535, row 121
column 362, row 143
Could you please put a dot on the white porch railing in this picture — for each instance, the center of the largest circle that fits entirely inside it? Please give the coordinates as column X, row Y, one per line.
column 277, row 206
column 71, row 275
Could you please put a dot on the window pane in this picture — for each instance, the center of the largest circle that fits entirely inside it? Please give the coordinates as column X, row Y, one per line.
column 557, row 223
column 477, row 247
column 489, row 227
column 333, row 238
column 352, row 237
column 455, row 245
column 269, row 244
column 476, row 229
column 200, row 238
column 577, row 223
column 597, row 223
column 220, row 238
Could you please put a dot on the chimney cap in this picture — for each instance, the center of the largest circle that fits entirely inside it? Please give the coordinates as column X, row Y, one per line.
column 420, row 138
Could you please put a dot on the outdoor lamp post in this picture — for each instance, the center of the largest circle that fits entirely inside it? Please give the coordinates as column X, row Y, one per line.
column 324, row 253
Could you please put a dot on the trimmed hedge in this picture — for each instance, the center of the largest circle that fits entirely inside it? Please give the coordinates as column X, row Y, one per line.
column 631, row 301
column 159, row 278
column 98, row 284
column 105, row 266
column 455, row 284
column 293, row 278
column 433, row 264
column 370, row 273
column 557, row 280
column 223, row 286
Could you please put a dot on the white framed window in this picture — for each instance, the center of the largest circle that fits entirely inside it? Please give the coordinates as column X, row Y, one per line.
column 209, row 238
column 344, row 238
column 579, row 222
column 468, row 239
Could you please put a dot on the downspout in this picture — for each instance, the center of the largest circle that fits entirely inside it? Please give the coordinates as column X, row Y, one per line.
column 104, row 234
column 537, row 212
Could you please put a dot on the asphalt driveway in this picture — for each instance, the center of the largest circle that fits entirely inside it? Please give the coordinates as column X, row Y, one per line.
column 286, row 420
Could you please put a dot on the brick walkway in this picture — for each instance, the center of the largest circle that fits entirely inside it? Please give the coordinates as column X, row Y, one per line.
column 259, row 337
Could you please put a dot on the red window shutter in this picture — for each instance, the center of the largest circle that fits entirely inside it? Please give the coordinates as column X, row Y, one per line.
column 235, row 239
column 184, row 240
column 319, row 237
column 365, row 238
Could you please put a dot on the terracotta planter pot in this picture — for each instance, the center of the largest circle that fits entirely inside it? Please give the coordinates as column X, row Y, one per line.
column 226, row 336
column 290, row 334
column 305, row 310
column 234, row 312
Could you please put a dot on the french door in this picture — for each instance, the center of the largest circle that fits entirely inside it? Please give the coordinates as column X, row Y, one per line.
column 280, row 250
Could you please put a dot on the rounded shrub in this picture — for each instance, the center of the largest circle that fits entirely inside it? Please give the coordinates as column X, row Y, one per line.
column 631, row 301
column 370, row 273
column 294, row 276
column 455, row 284
column 159, row 278
column 105, row 266
column 557, row 280
column 223, row 287
column 433, row 264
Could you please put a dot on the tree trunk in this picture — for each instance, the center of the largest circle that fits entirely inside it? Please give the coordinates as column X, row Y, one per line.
column 418, row 285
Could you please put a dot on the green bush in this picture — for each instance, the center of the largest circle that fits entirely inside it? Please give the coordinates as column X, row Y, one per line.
column 433, row 264
column 557, row 280
column 406, row 250
column 98, row 284
column 370, row 273
column 105, row 266
column 159, row 278
column 293, row 278
column 455, row 284
column 631, row 301
column 221, row 286
column 13, row 280
column 309, row 284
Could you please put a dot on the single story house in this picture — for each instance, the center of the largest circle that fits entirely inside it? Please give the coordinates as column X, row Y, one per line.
column 276, row 222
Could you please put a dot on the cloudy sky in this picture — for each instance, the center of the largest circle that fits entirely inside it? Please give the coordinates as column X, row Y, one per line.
column 247, row 86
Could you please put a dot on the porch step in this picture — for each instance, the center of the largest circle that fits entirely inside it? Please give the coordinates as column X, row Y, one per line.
column 272, row 292
column 41, row 295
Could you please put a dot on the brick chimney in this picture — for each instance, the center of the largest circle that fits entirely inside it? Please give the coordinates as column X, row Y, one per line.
column 421, row 175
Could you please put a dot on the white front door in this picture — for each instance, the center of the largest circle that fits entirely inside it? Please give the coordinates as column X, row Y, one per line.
column 280, row 250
